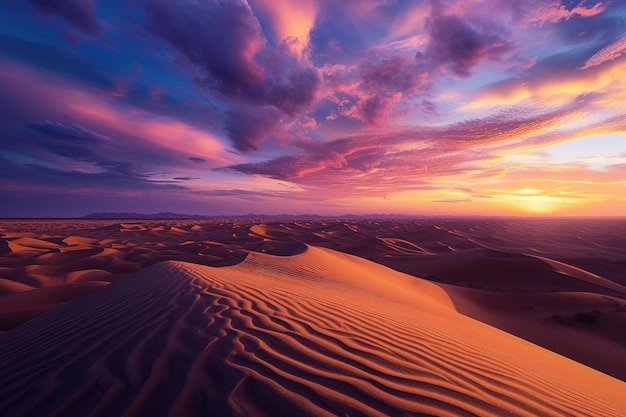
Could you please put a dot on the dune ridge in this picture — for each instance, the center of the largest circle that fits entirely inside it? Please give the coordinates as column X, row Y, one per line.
column 284, row 335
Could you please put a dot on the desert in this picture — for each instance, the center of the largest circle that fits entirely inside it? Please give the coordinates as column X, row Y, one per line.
column 311, row 317
column 293, row 208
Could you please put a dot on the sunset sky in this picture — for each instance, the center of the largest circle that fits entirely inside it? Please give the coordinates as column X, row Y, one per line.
column 468, row 107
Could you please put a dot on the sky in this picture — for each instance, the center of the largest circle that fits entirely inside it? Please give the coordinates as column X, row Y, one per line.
column 472, row 107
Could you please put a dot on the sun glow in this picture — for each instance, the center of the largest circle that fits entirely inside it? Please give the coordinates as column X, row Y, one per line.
column 535, row 201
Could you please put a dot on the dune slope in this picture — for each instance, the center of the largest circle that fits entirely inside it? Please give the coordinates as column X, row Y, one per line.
column 319, row 333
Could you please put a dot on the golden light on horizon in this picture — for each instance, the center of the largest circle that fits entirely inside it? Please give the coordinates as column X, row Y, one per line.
column 536, row 201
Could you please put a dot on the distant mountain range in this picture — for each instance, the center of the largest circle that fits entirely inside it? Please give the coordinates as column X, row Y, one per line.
column 168, row 215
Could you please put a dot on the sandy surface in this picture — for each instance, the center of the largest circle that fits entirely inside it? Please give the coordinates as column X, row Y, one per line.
column 270, row 318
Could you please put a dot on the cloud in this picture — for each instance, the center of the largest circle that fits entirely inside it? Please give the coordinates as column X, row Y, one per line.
column 453, row 200
column 55, row 60
column 80, row 13
column 375, row 89
column 246, row 195
column 608, row 53
column 342, row 163
column 196, row 159
column 71, row 140
column 70, row 150
column 397, row 73
column 249, row 126
column 289, row 18
column 61, row 124
column 387, row 82
column 418, row 101
column 543, row 11
column 460, row 44
column 377, row 109
column 296, row 94
column 220, row 38
column 111, row 178
column 225, row 45
column 415, row 158
column 558, row 82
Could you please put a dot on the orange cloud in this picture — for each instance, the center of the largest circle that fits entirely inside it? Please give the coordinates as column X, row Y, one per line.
column 604, row 85
column 289, row 18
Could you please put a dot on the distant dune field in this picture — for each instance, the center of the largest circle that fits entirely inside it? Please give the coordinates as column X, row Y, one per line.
column 246, row 318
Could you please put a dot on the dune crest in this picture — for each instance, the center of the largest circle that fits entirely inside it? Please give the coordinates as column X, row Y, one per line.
column 581, row 274
column 315, row 334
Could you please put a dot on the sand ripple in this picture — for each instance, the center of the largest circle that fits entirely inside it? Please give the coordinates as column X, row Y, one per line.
column 284, row 336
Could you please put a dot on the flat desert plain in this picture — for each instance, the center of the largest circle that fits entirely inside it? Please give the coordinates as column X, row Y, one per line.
column 451, row 317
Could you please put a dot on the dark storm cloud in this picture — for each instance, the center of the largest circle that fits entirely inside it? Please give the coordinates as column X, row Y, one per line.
column 79, row 13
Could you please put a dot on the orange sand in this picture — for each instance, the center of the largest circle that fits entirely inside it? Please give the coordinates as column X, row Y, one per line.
column 95, row 324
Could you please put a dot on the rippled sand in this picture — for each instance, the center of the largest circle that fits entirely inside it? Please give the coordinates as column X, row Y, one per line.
column 270, row 318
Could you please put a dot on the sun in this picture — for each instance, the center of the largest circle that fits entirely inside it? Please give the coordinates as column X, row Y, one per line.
column 535, row 201
column 542, row 204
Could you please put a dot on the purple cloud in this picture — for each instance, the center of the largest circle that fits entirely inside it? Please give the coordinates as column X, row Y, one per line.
column 248, row 126
column 196, row 159
column 398, row 73
column 387, row 83
column 297, row 93
column 221, row 39
column 407, row 159
column 112, row 176
column 377, row 109
column 52, row 154
column 460, row 44
column 225, row 43
column 79, row 13
column 71, row 140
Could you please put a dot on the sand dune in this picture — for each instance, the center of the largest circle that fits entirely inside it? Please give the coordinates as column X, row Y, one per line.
column 583, row 275
column 317, row 329
column 586, row 327
column 301, row 335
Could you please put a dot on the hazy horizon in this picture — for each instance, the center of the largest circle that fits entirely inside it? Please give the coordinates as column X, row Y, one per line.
column 313, row 216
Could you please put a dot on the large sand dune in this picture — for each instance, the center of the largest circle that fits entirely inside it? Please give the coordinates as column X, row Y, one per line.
column 319, row 333
column 95, row 324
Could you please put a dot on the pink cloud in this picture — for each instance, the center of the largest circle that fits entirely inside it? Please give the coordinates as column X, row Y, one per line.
column 544, row 12
column 290, row 18
column 420, row 157
column 608, row 53
column 135, row 129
